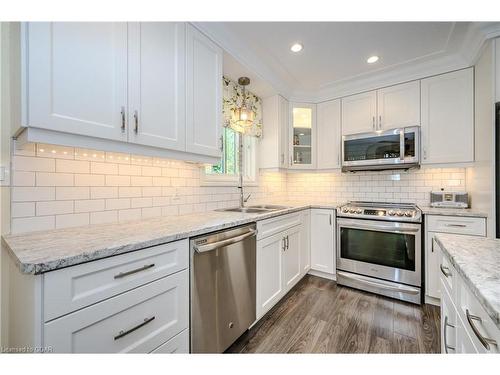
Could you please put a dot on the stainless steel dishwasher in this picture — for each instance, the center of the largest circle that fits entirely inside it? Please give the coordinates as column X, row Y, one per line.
column 223, row 269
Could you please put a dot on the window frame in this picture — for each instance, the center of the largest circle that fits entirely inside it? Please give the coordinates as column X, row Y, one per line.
column 250, row 168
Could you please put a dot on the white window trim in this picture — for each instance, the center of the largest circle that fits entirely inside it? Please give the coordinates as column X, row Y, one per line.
column 250, row 163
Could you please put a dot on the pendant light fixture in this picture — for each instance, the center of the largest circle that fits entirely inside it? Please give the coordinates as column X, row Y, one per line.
column 244, row 116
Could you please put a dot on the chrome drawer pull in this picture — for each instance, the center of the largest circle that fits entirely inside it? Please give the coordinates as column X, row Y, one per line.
column 144, row 268
column 445, row 338
column 485, row 341
column 445, row 270
column 456, row 225
column 125, row 333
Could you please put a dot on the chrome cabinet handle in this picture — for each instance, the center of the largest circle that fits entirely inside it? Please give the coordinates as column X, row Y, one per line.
column 445, row 270
column 221, row 140
column 122, row 112
column 287, row 242
column 373, row 122
column 128, row 331
column 425, row 153
column 136, row 122
column 445, row 336
column 282, row 159
column 485, row 341
column 432, row 246
column 456, row 225
column 144, row 268
column 291, row 160
column 380, row 122
column 330, row 218
column 284, row 243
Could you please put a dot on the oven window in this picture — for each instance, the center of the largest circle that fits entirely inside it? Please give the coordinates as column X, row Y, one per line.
column 409, row 145
column 382, row 147
column 383, row 248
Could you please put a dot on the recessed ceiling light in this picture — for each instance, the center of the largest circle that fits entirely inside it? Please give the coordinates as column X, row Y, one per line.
column 372, row 59
column 297, row 47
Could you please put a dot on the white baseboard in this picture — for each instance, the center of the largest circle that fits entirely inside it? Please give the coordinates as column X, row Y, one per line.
column 325, row 275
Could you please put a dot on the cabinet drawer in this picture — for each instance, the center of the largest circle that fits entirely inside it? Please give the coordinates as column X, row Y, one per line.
column 474, row 226
column 73, row 288
column 277, row 224
column 176, row 345
column 479, row 322
column 447, row 273
column 136, row 321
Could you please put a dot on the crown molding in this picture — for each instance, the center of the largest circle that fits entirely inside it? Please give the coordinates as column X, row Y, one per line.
column 467, row 55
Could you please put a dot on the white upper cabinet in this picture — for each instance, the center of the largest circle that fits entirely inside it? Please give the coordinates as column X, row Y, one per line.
column 448, row 118
column 398, row 106
column 204, row 94
column 274, row 141
column 359, row 113
column 302, row 136
column 77, row 77
column 156, row 88
column 328, row 135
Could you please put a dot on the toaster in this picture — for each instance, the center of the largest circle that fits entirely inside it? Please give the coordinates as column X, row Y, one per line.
column 450, row 199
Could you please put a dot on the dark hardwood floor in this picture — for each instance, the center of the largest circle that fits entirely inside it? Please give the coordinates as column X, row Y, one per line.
column 318, row 316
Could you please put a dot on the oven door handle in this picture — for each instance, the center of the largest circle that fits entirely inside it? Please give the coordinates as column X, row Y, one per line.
column 392, row 288
column 383, row 227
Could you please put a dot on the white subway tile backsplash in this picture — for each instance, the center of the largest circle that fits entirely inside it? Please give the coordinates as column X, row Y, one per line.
column 103, row 168
column 101, row 192
column 72, row 166
column 20, row 178
column 72, row 193
column 33, row 194
column 103, row 217
column 54, row 179
column 117, row 204
column 89, row 180
column 89, row 205
column 117, row 180
column 32, row 224
column 72, row 220
column 54, row 208
column 33, row 164
column 23, row 209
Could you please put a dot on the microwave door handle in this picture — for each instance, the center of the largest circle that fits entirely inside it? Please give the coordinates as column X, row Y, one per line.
column 402, row 145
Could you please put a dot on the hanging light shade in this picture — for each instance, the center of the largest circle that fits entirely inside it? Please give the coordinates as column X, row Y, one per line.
column 243, row 117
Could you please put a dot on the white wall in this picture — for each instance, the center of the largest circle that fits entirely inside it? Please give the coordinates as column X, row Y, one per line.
column 480, row 178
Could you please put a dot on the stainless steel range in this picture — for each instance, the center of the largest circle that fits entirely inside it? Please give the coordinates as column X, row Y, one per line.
column 379, row 249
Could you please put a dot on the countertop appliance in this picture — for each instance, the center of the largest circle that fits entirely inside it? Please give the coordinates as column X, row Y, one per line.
column 223, row 301
column 390, row 149
column 449, row 199
column 379, row 249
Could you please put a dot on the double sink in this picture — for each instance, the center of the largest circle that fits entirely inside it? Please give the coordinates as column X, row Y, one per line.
column 261, row 208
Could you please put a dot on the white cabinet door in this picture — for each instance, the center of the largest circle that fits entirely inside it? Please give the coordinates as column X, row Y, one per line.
column 328, row 135
column 302, row 136
column 448, row 325
column 291, row 258
column 432, row 261
column 305, row 238
column 447, row 114
column 274, row 142
column 398, row 106
column 203, row 94
column 322, row 240
column 269, row 277
column 359, row 113
column 157, row 84
column 77, row 77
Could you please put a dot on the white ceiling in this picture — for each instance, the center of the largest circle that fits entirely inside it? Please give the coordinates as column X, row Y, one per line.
column 335, row 53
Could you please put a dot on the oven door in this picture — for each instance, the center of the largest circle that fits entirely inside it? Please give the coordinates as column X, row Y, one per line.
column 385, row 250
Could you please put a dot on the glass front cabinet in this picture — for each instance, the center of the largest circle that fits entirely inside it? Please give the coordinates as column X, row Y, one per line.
column 302, row 136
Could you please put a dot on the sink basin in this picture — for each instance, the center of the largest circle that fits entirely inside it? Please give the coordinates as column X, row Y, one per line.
column 254, row 209
column 271, row 207
column 246, row 210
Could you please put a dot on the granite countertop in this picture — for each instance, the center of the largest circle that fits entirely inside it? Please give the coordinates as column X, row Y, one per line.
column 43, row 251
column 477, row 260
column 453, row 211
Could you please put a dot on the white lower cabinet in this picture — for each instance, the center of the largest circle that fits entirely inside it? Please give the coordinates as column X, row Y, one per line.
column 465, row 325
column 176, row 345
column 137, row 321
column 305, row 247
column 322, row 240
column 472, row 226
column 282, row 257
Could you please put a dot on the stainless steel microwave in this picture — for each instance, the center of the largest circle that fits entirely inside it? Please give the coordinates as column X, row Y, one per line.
column 388, row 149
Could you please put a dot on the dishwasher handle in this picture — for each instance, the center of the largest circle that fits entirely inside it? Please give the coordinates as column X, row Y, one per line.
column 229, row 241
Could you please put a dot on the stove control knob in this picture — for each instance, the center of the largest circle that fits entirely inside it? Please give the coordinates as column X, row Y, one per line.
column 391, row 213
column 359, row 211
column 399, row 213
column 345, row 210
column 352, row 211
column 408, row 213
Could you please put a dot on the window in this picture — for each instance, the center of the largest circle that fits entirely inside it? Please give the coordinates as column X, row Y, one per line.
column 226, row 173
